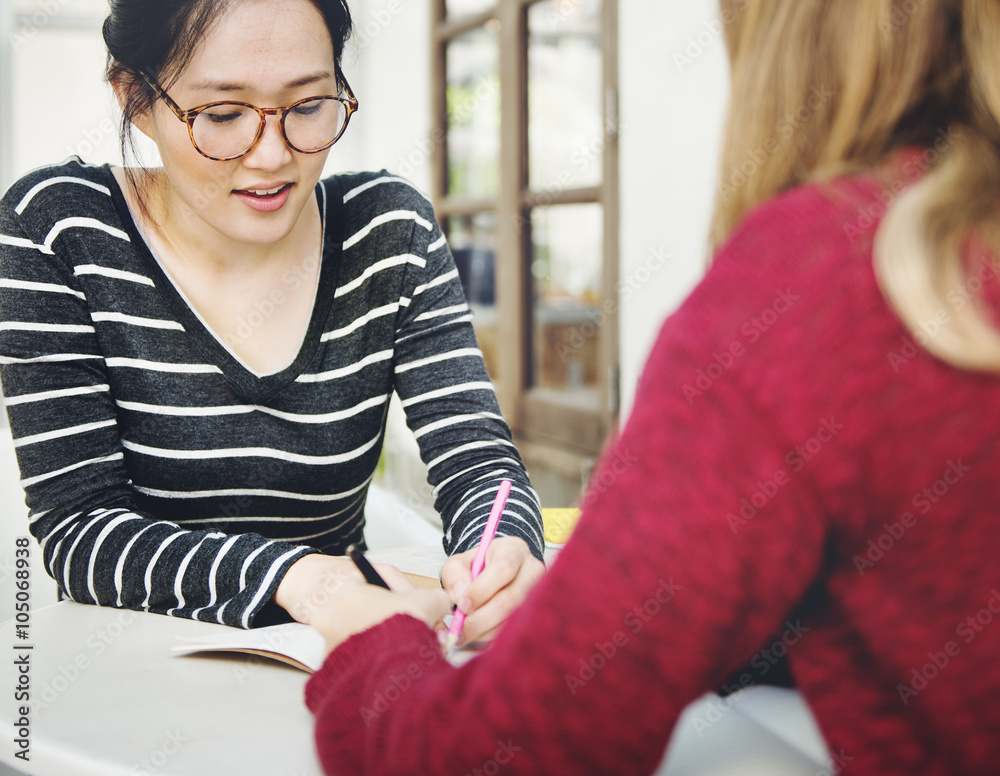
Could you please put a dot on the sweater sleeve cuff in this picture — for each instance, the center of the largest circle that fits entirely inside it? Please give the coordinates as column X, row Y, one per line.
column 266, row 611
column 504, row 530
column 400, row 634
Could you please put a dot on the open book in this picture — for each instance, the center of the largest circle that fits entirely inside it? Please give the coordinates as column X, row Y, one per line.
column 291, row 643
column 301, row 646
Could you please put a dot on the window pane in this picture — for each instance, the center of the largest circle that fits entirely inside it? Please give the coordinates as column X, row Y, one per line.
column 565, row 95
column 466, row 7
column 473, row 102
column 473, row 244
column 566, row 249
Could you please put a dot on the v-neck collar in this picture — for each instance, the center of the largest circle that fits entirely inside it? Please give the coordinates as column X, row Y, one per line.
column 253, row 387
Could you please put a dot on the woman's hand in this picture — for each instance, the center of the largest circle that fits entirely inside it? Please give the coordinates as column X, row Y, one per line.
column 311, row 580
column 354, row 606
column 510, row 572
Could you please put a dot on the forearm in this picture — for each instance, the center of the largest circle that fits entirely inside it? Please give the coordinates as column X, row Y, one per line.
column 125, row 559
column 654, row 601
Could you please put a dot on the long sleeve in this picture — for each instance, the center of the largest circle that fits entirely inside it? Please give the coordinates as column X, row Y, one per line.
column 450, row 403
column 162, row 473
column 97, row 543
column 591, row 673
column 797, row 479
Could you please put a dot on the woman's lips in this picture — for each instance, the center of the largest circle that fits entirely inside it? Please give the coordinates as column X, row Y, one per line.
column 266, row 201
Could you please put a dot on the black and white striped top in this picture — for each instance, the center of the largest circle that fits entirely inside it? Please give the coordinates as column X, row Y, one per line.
column 161, row 473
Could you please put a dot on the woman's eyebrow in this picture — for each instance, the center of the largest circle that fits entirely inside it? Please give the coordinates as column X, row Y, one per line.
column 228, row 86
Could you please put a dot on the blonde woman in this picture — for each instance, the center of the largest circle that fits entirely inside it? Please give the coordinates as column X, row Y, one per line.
column 829, row 491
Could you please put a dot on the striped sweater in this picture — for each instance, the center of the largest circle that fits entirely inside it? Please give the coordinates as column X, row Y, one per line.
column 160, row 472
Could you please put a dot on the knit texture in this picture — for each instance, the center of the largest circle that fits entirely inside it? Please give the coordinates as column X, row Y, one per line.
column 162, row 473
column 798, row 478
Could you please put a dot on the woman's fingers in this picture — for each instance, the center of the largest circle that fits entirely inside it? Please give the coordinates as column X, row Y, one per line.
column 510, row 572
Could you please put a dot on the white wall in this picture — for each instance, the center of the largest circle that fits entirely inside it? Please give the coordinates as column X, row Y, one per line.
column 674, row 84
column 62, row 106
column 388, row 65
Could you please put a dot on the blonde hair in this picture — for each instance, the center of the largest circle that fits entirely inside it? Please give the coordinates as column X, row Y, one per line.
column 823, row 88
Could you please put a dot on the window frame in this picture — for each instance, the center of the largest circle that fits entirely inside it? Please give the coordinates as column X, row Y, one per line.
column 537, row 416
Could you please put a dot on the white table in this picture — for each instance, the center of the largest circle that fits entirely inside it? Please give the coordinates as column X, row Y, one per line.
column 109, row 699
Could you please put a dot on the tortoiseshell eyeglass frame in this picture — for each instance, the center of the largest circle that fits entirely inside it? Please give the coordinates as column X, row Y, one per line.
column 349, row 101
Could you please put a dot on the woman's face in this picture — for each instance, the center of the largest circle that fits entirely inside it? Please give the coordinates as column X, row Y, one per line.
column 268, row 53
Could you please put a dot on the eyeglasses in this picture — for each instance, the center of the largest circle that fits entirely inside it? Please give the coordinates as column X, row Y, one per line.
column 223, row 131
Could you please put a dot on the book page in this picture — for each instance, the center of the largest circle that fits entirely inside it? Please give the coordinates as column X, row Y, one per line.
column 291, row 643
column 416, row 561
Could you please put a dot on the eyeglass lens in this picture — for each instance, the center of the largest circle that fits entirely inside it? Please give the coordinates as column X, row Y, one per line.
column 229, row 129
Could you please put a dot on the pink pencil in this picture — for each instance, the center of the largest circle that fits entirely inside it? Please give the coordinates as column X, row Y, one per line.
column 458, row 618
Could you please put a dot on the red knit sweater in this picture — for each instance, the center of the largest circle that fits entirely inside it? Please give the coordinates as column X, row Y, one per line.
column 795, row 470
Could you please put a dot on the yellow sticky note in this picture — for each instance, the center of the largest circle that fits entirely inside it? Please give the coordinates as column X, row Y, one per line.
column 559, row 524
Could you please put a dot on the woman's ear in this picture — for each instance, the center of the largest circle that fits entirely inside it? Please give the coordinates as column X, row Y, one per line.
column 124, row 86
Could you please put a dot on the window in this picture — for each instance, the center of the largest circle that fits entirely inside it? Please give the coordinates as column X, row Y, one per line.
column 525, row 184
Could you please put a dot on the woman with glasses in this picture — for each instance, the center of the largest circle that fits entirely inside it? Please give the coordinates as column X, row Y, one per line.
column 832, row 496
column 198, row 357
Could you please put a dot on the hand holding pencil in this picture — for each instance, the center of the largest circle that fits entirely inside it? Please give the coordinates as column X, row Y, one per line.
column 504, row 574
column 489, row 593
column 458, row 619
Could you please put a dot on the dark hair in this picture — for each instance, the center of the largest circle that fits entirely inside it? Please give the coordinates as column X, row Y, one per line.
column 159, row 37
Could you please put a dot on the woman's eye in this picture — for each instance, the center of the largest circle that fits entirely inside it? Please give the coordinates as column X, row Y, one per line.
column 309, row 109
column 223, row 116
